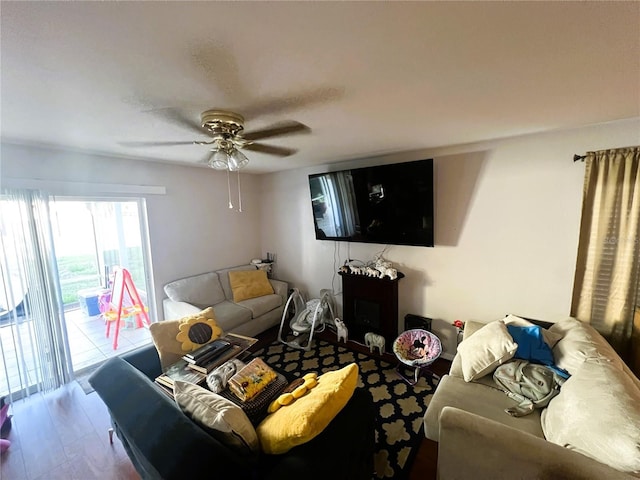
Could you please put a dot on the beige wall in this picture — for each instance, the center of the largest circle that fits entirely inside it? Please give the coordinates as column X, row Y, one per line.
column 507, row 218
column 191, row 228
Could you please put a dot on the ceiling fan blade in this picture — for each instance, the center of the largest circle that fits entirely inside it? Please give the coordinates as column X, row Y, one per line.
column 220, row 68
column 175, row 116
column 285, row 128
column 154, row 144
column 262, row 148
column 291, row 101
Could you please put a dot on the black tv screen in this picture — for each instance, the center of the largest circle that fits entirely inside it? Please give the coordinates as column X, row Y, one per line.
column 387, row 204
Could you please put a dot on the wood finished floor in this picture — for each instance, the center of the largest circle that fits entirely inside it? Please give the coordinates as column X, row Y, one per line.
column 63, row 435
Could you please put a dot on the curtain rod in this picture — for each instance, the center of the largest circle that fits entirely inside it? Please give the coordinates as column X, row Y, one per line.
column 577, row 157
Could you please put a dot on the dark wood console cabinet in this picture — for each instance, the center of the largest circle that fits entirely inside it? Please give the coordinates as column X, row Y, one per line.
column 370, row 305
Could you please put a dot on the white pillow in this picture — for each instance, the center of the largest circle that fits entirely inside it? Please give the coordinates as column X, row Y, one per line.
column 581, row 343
column 220, row 417
column 597, row 413
column 487, row 348
column 550, row 337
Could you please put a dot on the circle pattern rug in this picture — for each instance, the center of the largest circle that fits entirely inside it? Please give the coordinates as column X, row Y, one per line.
column 401, row 407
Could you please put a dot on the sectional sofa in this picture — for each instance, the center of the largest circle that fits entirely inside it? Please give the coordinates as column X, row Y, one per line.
column 590, row 430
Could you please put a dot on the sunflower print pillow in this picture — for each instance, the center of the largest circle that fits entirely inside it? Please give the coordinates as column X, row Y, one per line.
column 174, row 338
column 195, row 332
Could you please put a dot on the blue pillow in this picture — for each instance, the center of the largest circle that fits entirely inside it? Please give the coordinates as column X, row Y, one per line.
column 531, row 344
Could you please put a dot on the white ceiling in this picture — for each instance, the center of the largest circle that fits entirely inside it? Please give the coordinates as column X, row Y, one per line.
column 368, row 78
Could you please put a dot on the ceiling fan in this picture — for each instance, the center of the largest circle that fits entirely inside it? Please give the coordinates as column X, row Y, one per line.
column 228, row 137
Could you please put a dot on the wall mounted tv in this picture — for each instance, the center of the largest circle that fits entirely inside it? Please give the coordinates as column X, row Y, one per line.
column 387, row 204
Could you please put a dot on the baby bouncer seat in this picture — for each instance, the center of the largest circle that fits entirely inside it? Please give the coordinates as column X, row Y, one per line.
column 300, row 319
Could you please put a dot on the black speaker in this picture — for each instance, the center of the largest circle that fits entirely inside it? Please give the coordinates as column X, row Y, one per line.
column 415, row 321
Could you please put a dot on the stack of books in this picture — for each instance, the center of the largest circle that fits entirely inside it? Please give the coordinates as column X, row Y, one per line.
column 211, row 355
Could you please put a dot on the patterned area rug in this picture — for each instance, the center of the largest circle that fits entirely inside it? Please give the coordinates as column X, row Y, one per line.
column 401, row 407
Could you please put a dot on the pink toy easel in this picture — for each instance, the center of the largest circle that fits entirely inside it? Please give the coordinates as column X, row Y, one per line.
column 119, row 308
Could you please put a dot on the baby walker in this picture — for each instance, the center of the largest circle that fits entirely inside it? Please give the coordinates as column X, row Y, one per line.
column 306, row 318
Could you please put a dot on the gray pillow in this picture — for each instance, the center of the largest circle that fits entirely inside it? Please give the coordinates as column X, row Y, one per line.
column 223, row 419
column 202, row 290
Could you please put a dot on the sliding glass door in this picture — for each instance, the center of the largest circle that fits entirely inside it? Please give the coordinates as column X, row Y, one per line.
column 92, row 237
column 56, row 259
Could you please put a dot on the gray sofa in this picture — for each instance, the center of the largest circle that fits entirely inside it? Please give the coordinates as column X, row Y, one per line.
column 590, row 430
column 190, row 295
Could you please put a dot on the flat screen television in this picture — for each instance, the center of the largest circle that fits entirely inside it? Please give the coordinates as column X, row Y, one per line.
column 387, row 204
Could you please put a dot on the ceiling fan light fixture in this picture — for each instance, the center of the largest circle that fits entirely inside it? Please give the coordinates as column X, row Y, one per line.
column 237, row 160
column 219, row 160
column 227, row 137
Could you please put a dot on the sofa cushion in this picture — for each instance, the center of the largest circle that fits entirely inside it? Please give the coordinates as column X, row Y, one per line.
column 230, row 315
column 581, row 343
column 223, row 275
column 261, row 305
column 485, row 350
column 249, row 284
column 174, row 338
column 309, row 415
column 220, row 417
column 597, row 413
column 488, row 402
column 202, row 290
column 456, row 366
column 550, row 337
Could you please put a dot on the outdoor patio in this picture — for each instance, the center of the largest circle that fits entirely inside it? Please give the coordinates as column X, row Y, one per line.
column 88, row 344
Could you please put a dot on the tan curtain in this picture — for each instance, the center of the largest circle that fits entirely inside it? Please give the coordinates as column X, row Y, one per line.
column 634, row 361
column 606, row 281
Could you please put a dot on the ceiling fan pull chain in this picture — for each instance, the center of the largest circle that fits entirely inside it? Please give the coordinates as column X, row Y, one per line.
column 239, row 193
column 229, row 189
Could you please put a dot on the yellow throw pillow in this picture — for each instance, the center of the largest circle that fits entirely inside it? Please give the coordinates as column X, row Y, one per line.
column 174, row 338
column 246, row 284
column 301, row 421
